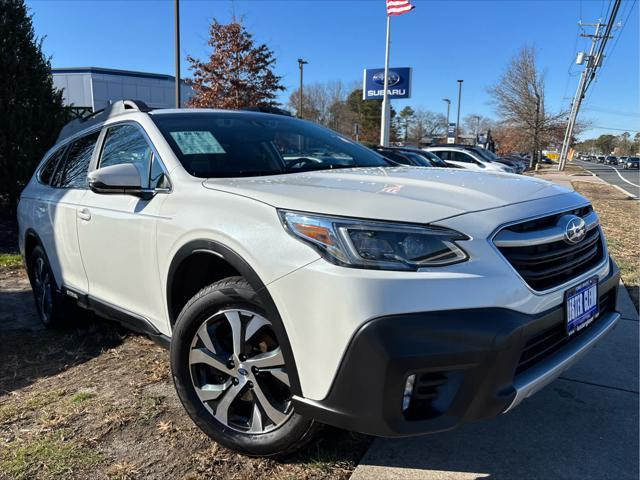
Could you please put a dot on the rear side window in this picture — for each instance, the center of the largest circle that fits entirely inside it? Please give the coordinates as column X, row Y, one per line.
column 72, row 172
column 127, row 144
column 443, row 154
column 46, row 173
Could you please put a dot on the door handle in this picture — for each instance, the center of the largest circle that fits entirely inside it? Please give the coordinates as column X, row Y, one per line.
column 84, row 214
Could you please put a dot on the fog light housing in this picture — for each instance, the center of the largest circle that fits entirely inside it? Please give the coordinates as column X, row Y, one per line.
column 408, row 392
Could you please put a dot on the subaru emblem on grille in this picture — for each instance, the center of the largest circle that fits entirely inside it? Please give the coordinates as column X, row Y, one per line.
column 575, row 228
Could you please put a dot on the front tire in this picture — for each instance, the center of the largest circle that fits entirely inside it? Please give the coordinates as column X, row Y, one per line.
column 231, row 375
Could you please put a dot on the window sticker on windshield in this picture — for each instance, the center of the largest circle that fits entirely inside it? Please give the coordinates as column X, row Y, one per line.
column 195, row 142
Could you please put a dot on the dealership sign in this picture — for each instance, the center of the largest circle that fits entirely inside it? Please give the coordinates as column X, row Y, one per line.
column 451, row 133
column 399, row 83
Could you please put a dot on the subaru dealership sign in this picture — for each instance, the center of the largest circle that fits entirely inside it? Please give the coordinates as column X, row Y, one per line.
column 399, row 83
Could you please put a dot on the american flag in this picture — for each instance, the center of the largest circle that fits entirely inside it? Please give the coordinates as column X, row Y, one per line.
column 398, row 7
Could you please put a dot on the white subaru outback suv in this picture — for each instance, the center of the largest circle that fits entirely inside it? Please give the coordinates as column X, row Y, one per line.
column 301, row 280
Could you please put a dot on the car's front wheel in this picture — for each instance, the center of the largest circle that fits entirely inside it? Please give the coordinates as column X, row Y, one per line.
column 230, row 372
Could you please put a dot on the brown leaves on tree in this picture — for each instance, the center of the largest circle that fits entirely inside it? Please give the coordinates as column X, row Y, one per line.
column 238, row 73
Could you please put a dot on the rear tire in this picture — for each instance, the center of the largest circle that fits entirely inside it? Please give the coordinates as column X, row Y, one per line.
column 231, row 375
column 49, row 301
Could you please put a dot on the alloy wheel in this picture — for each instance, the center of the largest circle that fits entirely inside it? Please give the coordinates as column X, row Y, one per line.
column 43, row 289
column 238, row 371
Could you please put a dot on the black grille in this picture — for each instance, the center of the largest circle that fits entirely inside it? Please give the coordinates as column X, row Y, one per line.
column 551, row 340
column 548, row 265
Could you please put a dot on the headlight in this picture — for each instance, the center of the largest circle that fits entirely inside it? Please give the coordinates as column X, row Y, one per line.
column 377, row 245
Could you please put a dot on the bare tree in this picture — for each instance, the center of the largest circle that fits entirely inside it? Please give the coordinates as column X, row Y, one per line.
column 427, row 125
column 477, row 123
column 520, row 101
column 326, row 104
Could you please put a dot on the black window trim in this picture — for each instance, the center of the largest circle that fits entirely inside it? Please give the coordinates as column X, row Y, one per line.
column 154, row 151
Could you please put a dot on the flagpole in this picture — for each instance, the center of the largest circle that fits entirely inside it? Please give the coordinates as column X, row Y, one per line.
column 386, row 107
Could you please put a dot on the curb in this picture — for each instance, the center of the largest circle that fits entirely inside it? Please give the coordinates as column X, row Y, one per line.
column 629, row 194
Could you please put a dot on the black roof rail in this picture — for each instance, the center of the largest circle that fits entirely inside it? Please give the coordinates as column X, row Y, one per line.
column 264, row 109
column 99, row 116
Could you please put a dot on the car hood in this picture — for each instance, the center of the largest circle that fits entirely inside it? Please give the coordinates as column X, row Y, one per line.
column 408, row 194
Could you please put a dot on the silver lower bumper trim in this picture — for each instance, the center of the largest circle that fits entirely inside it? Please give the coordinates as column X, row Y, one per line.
column 547, row 371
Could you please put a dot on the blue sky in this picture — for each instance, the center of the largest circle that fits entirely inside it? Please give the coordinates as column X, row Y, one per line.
column 442, row 40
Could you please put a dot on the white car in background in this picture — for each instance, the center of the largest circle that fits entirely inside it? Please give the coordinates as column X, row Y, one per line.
column 300, row 279
column 468, row 159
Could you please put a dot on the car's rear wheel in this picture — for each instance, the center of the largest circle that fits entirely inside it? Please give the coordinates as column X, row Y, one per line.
column 230, row 372
column 49, row 301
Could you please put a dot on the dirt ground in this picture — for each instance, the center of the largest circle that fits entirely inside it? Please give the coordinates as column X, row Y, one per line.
column 96, row 401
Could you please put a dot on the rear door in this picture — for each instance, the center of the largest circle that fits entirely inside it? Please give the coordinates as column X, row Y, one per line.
column 63, row 207
column 118, row 231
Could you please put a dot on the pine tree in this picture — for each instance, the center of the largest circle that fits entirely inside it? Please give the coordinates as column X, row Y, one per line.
column 31, row 109
column 237, row 74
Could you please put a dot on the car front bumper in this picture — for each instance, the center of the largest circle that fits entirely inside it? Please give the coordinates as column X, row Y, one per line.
column 468, row 364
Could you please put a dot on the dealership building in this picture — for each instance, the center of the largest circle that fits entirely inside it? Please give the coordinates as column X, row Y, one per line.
column 93, row 88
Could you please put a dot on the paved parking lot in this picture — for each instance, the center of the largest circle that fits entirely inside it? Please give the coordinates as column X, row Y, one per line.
column 582, row 426
column 628, row 180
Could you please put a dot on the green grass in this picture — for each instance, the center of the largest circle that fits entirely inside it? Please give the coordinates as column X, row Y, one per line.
column 10, row 260
column 45, row 456
column 82, row 397
column 11, row 411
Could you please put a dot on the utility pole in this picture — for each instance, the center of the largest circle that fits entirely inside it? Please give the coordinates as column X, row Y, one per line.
column 594, row 62
column 176, row 19
column 459, row 99
column 301, row 64
column 448, row 107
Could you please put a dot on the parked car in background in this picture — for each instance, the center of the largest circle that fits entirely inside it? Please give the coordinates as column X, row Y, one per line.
column 546, row 160
column 430, row 159
column 517, row 165
column 611, row 160
column 463, row 157
column 299, row 279
column 411, row 156
column 632, row 162
column 600, row 158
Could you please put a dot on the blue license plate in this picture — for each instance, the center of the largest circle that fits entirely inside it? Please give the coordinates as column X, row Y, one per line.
column 581, row 305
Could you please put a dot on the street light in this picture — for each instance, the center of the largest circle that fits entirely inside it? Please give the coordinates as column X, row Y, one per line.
column 448, row 107
column 301, row 63
column 459, row 98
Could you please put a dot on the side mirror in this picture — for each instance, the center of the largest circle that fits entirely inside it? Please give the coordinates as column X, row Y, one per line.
column 122, row 178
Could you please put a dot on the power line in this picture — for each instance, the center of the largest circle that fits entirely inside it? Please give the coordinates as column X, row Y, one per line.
column 594, row 62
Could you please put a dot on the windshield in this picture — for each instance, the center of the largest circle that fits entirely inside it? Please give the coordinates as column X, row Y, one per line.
column 243, row 144
column 486, row 154
column 434, row 159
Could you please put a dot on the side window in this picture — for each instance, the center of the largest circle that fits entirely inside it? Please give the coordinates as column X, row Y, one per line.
column 443, row 154
column 72, row 171
column 127, row 144
column 462, row 157
column 46, row 172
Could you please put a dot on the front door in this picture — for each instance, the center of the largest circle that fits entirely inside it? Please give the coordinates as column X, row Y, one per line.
column 118, row 232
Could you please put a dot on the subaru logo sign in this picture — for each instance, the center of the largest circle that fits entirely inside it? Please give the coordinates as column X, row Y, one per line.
column 575, row 228
column 394, row 78
column 398, row 80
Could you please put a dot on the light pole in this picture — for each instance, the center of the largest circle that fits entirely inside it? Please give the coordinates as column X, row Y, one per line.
column 459, row 99
column 448, row 108
column 176, row 19
column 301, row 64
